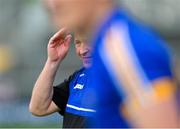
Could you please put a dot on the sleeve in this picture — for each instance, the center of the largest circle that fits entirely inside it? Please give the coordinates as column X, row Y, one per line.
column 137, row 60
column 152, row 54
column 61, row 94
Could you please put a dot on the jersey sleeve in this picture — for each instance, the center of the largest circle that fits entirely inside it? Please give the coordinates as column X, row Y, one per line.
column 150, row 54
column 138, row 59
column 61, row 94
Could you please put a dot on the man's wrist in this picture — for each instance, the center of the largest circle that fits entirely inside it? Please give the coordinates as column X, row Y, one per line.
column 53, row 65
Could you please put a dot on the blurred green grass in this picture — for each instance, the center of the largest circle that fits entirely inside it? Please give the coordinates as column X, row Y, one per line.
column 31, row 125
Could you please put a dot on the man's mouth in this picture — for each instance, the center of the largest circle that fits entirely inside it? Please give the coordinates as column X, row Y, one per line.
column 88, row 57
column 87, row 60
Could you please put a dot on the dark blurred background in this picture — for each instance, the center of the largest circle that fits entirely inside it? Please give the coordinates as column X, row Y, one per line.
column 24, row 32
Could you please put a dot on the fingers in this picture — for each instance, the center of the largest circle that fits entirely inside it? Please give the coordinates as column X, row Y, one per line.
column 59, row 38
column 60, row 35
column 68, row 40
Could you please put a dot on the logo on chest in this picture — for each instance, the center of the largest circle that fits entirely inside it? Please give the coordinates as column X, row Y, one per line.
column 79, row 86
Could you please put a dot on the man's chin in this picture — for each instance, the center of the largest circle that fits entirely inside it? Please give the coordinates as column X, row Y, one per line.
column 87, row 65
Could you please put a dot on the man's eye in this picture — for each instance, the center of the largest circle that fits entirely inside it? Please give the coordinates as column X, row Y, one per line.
column 77, row 42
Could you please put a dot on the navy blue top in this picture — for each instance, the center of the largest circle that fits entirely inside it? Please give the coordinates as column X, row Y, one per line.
column 73, row 97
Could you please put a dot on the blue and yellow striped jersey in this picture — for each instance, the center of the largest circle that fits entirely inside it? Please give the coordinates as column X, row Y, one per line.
column 127, row 58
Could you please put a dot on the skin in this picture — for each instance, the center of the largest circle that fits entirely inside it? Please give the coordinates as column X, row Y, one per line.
column 83, row 50
column 159, row 113
column 41, row 103
column 77, row 15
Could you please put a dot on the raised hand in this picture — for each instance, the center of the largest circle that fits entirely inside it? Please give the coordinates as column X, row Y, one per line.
column 58, row 46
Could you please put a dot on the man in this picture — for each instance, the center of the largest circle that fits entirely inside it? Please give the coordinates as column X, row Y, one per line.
column 139, row 78
column 70, row 98
column 131, row 68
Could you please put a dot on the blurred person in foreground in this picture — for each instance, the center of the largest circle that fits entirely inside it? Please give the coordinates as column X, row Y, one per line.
column 70, row 97
column 177, row 73
column 131, row 71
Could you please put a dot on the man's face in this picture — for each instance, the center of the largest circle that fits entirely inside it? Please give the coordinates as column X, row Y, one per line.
column 70, row 13
column 84, row 51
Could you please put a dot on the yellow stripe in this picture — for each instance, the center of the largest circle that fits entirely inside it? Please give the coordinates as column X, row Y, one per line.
column 164, row 88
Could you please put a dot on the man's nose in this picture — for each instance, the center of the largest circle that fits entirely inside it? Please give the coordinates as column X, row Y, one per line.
column 84, row 50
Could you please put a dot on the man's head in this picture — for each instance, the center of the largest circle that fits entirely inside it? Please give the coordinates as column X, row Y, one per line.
column 83, row 50
column 69, row 13
column 76, row 15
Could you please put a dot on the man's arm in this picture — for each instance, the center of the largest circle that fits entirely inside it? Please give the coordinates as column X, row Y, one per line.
column 160, row 108
column 41, row 103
